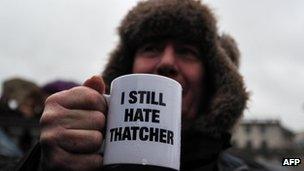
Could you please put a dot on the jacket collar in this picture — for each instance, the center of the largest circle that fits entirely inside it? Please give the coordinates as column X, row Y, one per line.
column 200, row 149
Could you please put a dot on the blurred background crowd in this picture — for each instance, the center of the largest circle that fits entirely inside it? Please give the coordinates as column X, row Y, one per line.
column 21, row 106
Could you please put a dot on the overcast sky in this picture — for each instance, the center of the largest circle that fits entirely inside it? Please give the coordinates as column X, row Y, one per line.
column 70, row 39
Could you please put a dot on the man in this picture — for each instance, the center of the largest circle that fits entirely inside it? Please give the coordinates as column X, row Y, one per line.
column 173, row 38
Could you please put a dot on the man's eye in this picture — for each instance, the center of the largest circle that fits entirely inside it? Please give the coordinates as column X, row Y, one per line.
column 150, row 49
column 187, row 53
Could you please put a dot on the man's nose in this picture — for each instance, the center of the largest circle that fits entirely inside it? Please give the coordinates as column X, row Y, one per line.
column 167, row 65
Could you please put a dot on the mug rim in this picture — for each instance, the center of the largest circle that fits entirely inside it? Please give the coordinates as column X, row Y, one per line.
column 149, row 75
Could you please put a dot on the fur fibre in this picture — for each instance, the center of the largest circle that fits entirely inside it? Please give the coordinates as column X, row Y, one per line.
column 231, row 48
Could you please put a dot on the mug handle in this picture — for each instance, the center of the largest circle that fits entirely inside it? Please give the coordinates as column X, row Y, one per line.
column 102, row 148
column 107, row 97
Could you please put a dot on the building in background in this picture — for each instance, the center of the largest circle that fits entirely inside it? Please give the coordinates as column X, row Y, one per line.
column 267, row 141
column 263, row 135
column 299, row 140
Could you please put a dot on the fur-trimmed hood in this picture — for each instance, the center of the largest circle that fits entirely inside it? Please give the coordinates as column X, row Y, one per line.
column 191, row 22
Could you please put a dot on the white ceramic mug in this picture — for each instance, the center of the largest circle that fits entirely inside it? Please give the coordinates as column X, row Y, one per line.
column 144, row 121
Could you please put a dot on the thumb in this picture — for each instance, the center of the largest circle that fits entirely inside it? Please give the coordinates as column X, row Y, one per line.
column 96, row 82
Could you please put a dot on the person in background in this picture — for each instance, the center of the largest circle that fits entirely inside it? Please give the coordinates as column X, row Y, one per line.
column 57, row 86
column 178, row 39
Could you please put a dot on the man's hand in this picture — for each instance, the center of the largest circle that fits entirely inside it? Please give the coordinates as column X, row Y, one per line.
column 71, row 124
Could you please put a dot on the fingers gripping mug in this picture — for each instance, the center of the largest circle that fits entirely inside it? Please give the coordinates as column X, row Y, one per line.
column 143, row 123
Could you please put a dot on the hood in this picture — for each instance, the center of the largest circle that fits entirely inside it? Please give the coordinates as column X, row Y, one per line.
column 191, row 22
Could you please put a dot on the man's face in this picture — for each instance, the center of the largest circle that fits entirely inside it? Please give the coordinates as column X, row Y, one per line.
column 177, row 61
